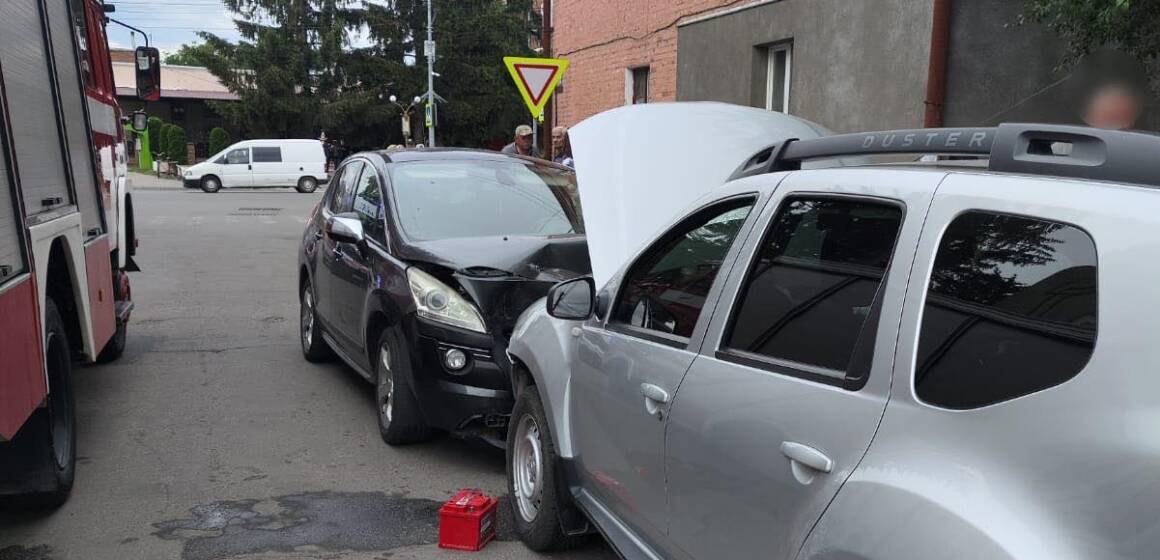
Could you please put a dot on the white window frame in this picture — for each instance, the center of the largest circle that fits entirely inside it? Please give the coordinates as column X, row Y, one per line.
column 770, row 71
column 630, row 81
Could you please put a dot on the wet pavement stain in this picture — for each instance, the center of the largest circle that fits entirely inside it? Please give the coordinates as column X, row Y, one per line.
column 17, row 552
column 331, row 521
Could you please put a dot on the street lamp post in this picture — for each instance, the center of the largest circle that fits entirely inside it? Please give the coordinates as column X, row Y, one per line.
column 406, row 115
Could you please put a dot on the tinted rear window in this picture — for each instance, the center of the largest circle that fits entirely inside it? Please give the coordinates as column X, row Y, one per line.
column 476, row 198
column 1011, row 309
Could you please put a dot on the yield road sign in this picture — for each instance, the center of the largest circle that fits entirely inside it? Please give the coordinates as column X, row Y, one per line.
column 536, row 78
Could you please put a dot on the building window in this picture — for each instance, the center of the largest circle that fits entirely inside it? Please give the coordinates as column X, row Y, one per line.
column 779, row 60
column 636, row 85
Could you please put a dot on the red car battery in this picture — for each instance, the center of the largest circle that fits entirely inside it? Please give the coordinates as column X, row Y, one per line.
column 467, row 521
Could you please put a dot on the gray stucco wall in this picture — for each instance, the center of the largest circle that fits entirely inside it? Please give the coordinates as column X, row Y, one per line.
column 857, row 64
column 999, row 71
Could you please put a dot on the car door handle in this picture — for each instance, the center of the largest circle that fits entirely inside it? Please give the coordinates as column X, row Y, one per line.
column 654, row 398
column 807, row 456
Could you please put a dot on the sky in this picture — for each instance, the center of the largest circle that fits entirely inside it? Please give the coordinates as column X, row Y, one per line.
column 170, row 23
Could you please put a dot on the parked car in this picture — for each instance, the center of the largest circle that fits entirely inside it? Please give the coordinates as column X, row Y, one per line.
column 950, row 360
column 414, row 268
column 261, row 163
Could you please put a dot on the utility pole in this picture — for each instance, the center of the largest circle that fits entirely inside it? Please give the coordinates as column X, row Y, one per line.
column 429, row 50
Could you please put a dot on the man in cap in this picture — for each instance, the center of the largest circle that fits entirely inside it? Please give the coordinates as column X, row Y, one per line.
column 522, row 145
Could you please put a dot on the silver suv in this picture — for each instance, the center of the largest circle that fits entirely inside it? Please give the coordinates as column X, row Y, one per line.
column 945, row 360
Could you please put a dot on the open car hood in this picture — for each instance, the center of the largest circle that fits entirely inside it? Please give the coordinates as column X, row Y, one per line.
column 638, row 166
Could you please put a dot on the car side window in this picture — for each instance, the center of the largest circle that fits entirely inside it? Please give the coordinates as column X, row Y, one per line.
column 268, row 155
column 665, row 289
column 1011, row 309
column 341, row 200
column 368, row 203
column 238, row 156
column 809, row 292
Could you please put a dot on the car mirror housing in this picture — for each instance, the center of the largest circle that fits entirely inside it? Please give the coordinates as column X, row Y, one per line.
column 345, row 228
column 572, row 299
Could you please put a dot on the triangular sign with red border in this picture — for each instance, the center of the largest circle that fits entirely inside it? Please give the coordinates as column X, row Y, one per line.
column 536, row 78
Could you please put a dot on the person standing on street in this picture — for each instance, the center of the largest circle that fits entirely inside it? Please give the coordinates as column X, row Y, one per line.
column 562, row 147
column 522, row 144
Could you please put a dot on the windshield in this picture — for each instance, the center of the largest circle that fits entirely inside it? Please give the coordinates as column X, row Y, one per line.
column 476, row 198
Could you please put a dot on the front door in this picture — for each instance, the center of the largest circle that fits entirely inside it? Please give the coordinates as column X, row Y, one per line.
column 794, row 373
column 628, row 368
column 354, row 268
column 336, row 258
column 237, row 171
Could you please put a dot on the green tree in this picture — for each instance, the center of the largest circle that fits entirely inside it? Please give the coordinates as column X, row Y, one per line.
column 473, row 36
column 190, row 55
column 155, row 125
column 219, row 140
column 289, row 62
column 163, row 140
column 297, row 72
column 176, row 148
column 1087, row 25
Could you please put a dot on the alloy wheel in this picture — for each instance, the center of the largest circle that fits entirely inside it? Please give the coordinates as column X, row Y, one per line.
column 307, row 317
column 528, row 469
column 386, row 386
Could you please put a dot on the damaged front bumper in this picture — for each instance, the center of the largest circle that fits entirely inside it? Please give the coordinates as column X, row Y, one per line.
column 472, row 398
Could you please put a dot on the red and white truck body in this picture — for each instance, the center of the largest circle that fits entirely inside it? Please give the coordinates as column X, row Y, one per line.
column 66, row 213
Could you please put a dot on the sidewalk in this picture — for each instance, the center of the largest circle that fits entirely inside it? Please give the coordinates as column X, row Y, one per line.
column 149, row 182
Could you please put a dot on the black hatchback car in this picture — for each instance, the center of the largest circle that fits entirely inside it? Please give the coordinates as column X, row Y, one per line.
column 414, row 268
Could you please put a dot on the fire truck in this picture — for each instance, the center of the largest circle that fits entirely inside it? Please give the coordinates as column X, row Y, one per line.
column 67, row 235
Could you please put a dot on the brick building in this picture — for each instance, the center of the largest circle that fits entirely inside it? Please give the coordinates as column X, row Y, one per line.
column 619, row 50
column 185, row 92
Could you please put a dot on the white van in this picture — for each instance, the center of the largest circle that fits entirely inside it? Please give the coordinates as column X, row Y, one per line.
column 261, row 163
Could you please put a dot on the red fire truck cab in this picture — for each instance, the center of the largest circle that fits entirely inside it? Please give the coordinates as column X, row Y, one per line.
column 67, row 237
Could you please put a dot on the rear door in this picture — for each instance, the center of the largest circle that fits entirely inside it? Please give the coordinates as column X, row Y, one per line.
column 795, row 371
column 237, row 170
column 268, row 169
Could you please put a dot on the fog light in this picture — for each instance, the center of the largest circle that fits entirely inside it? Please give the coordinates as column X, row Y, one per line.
column 454, row 359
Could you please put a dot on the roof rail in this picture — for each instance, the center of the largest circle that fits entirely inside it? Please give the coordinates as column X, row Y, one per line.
column 1037, row 149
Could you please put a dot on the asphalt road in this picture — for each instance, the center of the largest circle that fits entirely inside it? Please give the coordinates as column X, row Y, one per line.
column 212, row 438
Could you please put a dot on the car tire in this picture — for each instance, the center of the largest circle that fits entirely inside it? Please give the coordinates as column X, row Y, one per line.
column 116, row 345
column 211, row 184
column 536, row 498
column 314, row 348
column 400, row 421
column 42, row 457
column 307, row 185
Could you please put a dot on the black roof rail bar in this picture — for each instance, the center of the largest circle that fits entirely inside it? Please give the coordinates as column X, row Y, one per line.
column 788, row 154
column 1077, row 151
column 1035, row 149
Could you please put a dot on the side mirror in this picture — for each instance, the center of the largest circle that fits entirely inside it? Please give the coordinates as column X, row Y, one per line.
column 346, row 229
column 140, row 121
column 573, row 299
column 148, row 61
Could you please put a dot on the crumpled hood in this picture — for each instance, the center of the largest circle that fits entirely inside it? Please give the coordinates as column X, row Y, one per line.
column 638, row 166
column 527, row 256
column 505, row 274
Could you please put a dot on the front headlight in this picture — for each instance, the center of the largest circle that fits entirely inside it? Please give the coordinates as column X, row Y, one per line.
column 436, row 301
column 188, row 173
